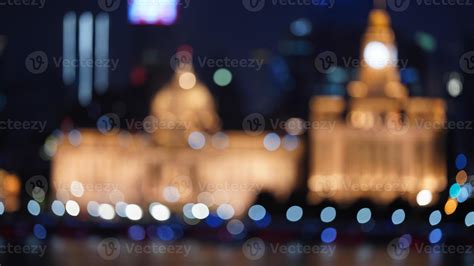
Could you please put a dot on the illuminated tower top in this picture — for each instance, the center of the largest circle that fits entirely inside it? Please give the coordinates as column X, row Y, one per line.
column 379, row 76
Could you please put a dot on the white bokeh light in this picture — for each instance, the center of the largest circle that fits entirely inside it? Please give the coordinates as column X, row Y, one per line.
column 77, row 189
column 376, row 55
column 72, row 208
column 133, row 212
column 159, row 211
column 200, row 211
column 424, row 197
column 106, row 211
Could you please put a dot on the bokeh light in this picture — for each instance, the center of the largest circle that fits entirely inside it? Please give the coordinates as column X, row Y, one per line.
column 328, row 235
column 450, row 206
column 435, row 236
column 469, row 220
column 200, row 211
column 222, row 77
column 271, row 142
column 257, row 212
column 159, row 211
column 364, row 215
column 106, row 211
column 33, row 207
column 435, row 218
column 328, row 214
column 57, row 207
column 72, row 208
column 424, row 197
column 294, row 213
column 398, row 216
column 39, row 231
column 133, row 212
column 461, row 161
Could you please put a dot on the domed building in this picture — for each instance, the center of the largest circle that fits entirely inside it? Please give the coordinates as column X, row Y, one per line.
column 181, row 158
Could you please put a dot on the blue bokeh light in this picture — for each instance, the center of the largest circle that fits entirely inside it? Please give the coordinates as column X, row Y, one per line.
column 136, row 232
column 461, row 161
column 328, row 235
column 39, row 231
column 435, row 236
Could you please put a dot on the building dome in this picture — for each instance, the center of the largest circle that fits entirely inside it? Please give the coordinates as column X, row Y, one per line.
column 182, row 106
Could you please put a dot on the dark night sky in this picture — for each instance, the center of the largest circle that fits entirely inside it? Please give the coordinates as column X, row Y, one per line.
column 215, row 29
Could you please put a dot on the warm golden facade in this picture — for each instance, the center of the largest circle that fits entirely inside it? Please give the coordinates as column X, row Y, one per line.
column 189, row 162
column 384, row 144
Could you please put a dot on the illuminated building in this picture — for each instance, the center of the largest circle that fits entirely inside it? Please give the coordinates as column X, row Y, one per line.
column 10, row 188
column 385, row 144
column 183, row 159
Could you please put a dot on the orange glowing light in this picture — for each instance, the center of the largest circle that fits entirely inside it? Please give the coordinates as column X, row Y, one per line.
column 450, row 206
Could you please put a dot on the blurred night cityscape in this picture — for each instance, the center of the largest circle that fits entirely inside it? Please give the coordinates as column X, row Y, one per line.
column 241, row 132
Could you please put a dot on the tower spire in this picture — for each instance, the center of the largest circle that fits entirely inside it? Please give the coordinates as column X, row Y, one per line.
column 379, row 75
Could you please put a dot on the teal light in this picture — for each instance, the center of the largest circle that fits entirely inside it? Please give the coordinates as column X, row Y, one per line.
column 454, row 190
column 222, row 77
column 426, row 41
